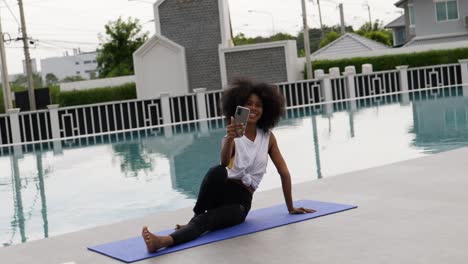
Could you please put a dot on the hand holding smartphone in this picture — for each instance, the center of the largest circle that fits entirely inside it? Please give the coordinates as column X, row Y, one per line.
column 242, row 115
column 237, row 126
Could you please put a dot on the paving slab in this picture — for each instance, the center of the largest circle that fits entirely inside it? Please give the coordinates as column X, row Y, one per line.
column 409, row 212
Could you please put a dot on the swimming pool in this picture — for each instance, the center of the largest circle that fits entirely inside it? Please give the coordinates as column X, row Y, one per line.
column 51, row 189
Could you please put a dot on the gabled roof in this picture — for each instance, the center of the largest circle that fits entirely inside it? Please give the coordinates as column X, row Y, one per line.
column 399, row 22
column 349, row 43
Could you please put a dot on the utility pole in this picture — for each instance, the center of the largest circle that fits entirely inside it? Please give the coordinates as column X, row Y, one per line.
column 320, row 16
column 343, row 29
column 306, row 41
column 5, row 83
column 32, row 97
column 370, row 19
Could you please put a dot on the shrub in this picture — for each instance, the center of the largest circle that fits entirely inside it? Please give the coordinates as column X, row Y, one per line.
column 2, row 107
column 91, row 96
column 330, row 37
column 98, row 95
column 54, row 91
column 389, row 62
column 379, row 37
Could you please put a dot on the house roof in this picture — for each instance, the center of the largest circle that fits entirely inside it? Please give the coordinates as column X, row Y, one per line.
column 437, row 39
column 399, row 3
column 349, row 43
column 399, row 22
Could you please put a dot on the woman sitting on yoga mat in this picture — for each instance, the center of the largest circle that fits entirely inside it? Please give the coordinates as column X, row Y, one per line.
column 226, row 192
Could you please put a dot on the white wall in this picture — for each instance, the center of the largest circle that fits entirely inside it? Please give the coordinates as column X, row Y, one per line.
column 97, row 83
column 160, row 67
column 426, row 24
column 289, row 47
column 78, row 65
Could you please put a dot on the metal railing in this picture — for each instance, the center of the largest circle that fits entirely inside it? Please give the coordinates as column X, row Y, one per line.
column 160, row 113
column 301, row 93
column 378, row 83
column 183, row 108
column 213, row 104
column 35, row 126
column 109, row 117
column 5, row 130
column 339, row 88
column 434, row 76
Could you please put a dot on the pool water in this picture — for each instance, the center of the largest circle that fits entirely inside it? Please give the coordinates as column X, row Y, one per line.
column 68, row 186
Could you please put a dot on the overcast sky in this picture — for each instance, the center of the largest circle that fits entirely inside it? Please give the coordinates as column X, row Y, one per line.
column 62, row 25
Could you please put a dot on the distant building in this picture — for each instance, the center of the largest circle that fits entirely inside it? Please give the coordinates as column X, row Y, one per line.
column 398, row 27
column 430, row 22
column 80, row 64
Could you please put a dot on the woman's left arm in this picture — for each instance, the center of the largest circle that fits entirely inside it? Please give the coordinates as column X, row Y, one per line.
column 280, row 164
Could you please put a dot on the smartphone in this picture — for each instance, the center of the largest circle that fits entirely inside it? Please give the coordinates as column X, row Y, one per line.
column 242, row 115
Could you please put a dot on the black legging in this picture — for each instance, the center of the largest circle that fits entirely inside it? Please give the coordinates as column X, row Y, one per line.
column 221, row 203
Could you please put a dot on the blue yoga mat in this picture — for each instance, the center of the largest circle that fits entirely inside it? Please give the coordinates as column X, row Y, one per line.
column 134, row 249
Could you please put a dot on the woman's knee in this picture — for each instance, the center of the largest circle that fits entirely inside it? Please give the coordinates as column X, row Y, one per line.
column 216, row 173
column 218, row 169
column 234, row 214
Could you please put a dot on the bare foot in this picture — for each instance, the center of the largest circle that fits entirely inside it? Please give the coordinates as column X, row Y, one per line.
column 177, row 226
column 153, row 243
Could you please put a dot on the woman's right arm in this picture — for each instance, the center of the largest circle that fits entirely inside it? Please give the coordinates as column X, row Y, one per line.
column 228, row 143
column 226, row 151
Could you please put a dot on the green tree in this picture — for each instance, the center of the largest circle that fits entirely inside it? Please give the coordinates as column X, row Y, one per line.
column 22, row 81
column 73, row 79
column 51, row 79
column 368, row 27
column 115, row 54
column 241, row 39
column 133, row 158
column 92, row 75
column 377, row 32
column 281, row 36
column 330, row 37
column 380, row 36
column 315, row 37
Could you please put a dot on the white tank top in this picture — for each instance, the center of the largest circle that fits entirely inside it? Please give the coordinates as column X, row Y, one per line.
column 250, row 159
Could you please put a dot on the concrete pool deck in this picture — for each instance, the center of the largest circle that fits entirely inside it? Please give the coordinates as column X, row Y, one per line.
column 409, row 212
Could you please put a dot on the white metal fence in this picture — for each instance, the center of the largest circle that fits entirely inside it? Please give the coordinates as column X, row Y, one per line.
column 107, row 118
column 378, row 83
column 5, row 131
column 34, row 126
column 301, row 92
column 434, row 76
column 213, row 104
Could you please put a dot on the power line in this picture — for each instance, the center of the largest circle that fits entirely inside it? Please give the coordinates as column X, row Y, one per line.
column 29, row 2
column 11, row 12
column 68, row 41
column 52, row 45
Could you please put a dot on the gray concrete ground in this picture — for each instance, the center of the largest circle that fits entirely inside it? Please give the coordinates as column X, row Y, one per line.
column 409, row 212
